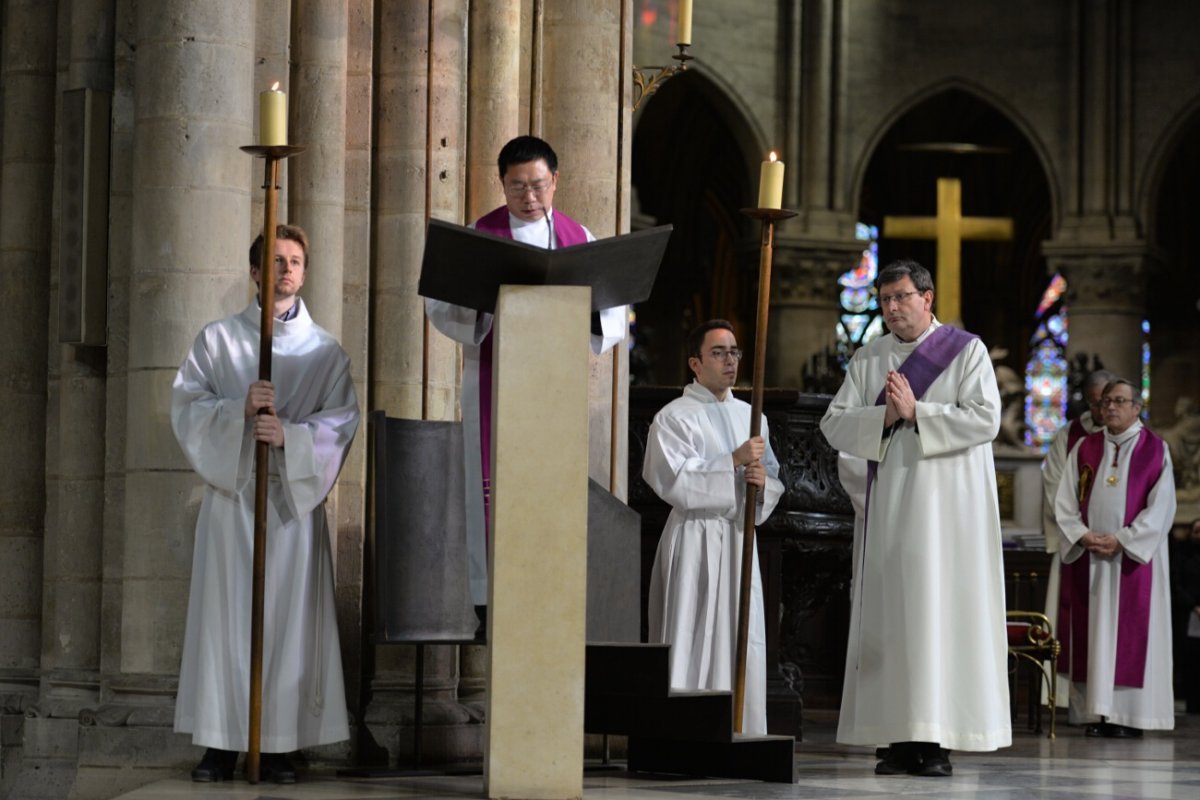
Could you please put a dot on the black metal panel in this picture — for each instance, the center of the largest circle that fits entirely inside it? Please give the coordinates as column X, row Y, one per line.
column 421, row 588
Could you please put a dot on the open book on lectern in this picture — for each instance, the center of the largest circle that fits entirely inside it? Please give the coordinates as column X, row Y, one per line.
column 467, row 267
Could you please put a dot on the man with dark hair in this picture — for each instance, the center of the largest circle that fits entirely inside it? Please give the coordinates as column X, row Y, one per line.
column 926, row 665
column 1114, row 506
column 308, row 414
column 528, row 178
column 1052, row 469
column 698, row 461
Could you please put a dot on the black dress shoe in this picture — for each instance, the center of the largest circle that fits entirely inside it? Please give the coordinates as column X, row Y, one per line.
column 275, row 768
column 217, row 765
column 900, row 758
column 1122, row 731
column 935, row 764
column 1096, row 729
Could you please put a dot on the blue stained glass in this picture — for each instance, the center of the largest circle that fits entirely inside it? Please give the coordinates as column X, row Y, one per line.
column 855, row 324
column 874, row 330
column 1046, row 370
column 858, row 300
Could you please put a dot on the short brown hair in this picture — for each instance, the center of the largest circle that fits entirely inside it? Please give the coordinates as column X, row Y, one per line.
column 293, row 232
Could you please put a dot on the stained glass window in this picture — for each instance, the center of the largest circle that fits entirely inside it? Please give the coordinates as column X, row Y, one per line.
column 1145, row 369
column 1046, row 369
column 860, row 320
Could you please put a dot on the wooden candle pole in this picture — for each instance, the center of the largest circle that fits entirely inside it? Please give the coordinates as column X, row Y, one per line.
column 769, row 217
column 272, row 154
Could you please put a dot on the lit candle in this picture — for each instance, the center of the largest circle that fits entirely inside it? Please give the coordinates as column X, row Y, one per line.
column 770, row 183
column 685, row 22
column 272, row 117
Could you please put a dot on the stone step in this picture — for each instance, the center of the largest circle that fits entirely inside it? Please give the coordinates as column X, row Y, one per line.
column 627, row 670
column 684, row 716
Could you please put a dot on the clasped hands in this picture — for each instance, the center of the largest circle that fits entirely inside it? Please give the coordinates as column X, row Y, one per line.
column 260, row 404
column 749, row 454
column 1104, row 545
column 901, row 404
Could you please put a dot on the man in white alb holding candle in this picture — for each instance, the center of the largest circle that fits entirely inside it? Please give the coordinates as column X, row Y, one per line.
column 313, row 414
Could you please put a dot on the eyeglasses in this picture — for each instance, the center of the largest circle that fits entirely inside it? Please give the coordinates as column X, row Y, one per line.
column 888, row 299
column 1115, row 401
column 721, row 353
column 521, row 189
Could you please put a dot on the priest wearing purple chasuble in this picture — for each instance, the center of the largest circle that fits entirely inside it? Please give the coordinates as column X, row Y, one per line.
column 528, row 177
column 926, row 663
column 1115, row 505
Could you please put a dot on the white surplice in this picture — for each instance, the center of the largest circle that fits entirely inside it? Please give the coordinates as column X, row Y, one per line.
column 469, row 328
column 303, row 694
column 694, row 586
column 1145, row 540
column 927, row 654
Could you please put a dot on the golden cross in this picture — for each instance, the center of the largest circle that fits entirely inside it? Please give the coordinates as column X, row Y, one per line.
column 949, row 228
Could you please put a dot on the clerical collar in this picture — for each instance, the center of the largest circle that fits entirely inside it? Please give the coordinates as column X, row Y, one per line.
column 547, row 220
column 1125, row 435
column 703, row 393
column 933, row 325
column 286, row 316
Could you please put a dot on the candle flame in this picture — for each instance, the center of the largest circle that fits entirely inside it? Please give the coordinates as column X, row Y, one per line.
column 773, row 156
column 275, row 88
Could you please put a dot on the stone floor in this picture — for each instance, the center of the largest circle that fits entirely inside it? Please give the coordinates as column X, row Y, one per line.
column 1072, row 766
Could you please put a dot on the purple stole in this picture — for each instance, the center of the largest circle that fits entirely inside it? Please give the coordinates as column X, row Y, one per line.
column 567, row 232
column 1075, row 432
column 1133, row 606
column 922, row 367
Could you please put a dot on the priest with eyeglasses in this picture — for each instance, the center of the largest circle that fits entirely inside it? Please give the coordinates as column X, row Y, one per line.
column 1115, row 506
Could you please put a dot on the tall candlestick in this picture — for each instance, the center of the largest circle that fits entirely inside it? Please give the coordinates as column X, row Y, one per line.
column 685, row 22
column 770, row 183
column 272, row 117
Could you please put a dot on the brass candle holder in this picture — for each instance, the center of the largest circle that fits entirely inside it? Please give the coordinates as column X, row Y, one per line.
column 647, row 80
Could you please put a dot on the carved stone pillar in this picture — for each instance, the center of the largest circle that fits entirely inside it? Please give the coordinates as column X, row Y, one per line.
column 582, row 110
column 26, row 187
column 75, row 462
column 1106, row 300
column 804, row 302
column 190, row 230
column 420, row 174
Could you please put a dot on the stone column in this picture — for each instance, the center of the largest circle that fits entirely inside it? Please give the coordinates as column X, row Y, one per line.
column 420, row 174
column 191, row 221
column 582, row 107
column 813, row 249
column 318, row 175
column 75, row 473
column 493, row 99
column 1106, row 301
column 493, row 118
column 272, row 59
column 26, row 188
column 804, row 302
column 356, row 283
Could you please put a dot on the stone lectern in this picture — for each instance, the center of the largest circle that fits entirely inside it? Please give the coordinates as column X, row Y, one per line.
column 537, row 544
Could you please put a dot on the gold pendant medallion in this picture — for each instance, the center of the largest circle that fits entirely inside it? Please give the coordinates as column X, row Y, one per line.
column 1111, row 480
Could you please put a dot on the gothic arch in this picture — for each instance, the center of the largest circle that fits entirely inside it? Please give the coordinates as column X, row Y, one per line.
column 695, row 154
column 1186, row 123
column 888, row 121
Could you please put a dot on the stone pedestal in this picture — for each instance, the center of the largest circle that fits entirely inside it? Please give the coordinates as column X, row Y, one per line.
column 538, row 544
